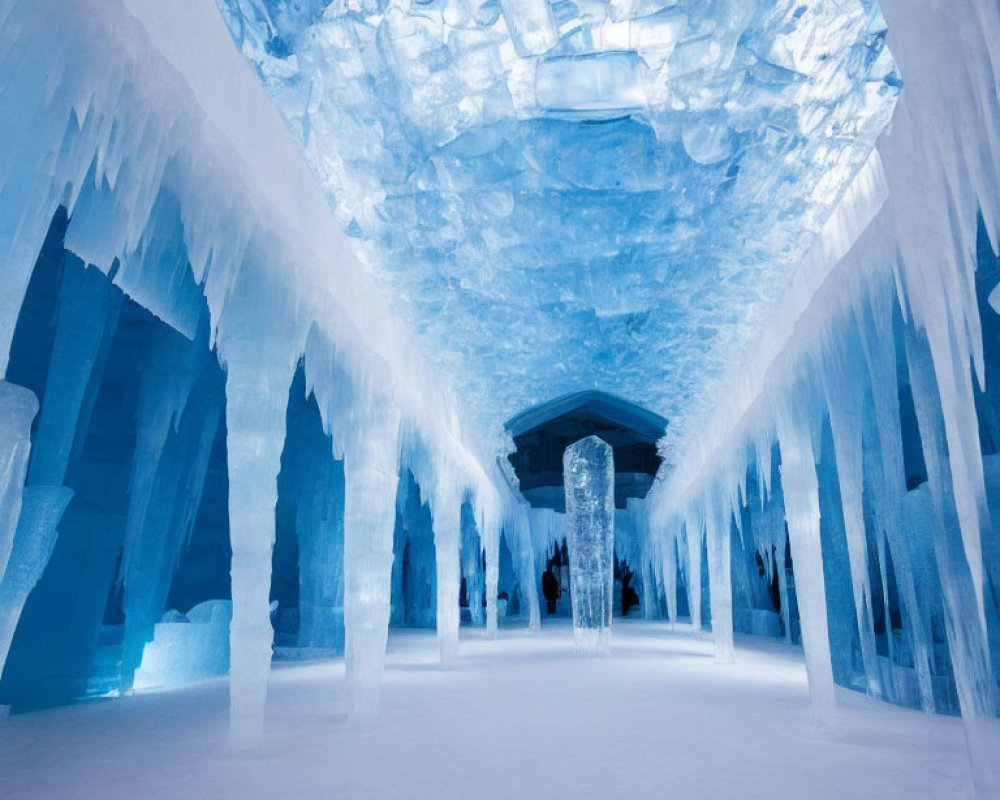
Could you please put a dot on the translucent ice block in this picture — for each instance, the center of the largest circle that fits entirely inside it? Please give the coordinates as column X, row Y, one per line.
column 589, row 477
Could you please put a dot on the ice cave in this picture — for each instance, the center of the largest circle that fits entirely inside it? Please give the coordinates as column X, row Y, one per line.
column 500, row 399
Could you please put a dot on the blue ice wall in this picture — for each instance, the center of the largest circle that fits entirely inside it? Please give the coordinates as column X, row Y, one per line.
column 307, row 578
column 130, row 411
column 414, row 575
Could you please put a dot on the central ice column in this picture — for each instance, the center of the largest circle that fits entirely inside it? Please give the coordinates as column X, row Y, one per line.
column 589, row 477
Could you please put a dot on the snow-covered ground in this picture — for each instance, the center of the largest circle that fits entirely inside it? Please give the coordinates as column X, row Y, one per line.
column 520, row 717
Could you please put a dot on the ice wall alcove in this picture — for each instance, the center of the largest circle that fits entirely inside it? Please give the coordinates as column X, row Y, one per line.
column 542, row 433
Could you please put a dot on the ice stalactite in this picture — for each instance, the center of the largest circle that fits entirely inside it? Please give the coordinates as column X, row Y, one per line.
column 589, row 476
column 718, row 519
column 844, row 395
column 87, row 319
column 967, row 643
column 801, row 495
column 888, row 479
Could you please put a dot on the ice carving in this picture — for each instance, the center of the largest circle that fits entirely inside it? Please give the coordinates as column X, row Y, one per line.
column 589, row 475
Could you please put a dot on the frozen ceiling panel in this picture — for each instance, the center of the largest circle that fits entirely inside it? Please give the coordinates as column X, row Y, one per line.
column 579, row 195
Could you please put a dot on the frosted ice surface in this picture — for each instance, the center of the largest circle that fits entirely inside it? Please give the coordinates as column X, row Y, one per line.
column 589, row 475
column 633, row 182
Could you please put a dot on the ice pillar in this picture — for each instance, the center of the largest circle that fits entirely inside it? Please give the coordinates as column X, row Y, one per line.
column 718, row 520
column 491, row 543
column 255, row 421
column 692, row 528
column 589, row 477
column 447, row 537
column 41, row 511
column 670, row 577
column 801, row 492
column 18, row 407
column 967, row 644
column 371, row 476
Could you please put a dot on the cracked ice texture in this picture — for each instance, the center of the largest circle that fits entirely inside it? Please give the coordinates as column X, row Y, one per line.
column 632, row 182
column 589, row 476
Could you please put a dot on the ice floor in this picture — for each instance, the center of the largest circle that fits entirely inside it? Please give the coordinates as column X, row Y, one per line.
column 517, row 718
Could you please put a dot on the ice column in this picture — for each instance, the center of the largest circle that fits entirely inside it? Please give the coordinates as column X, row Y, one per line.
column 974, row 680
column 256, row 396
column 447, row 509
column 670, row 577
column 589, row 477
column 491, row 543
column 692, row 528
column 18, row 407
column 36, row 537
column 371, row 477
column 844, row 401
column 718, row 519
column 801, row 491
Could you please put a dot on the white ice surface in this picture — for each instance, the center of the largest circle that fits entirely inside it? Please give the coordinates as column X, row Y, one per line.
column 517, row 718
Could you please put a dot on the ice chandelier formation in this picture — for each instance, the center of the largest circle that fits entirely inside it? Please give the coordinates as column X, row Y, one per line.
column 481, row 195
column 589, row 470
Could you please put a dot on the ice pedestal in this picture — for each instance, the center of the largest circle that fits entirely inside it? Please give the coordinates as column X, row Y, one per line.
column 589, row 478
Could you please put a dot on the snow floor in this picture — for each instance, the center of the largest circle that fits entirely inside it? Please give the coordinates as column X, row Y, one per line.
column 517, row 718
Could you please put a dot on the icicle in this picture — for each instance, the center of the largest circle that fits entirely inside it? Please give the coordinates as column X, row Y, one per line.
column 974, row 680
column 890, row 484
column 844, row 395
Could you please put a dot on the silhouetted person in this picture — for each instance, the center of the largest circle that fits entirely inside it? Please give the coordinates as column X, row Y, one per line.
column 550, row 588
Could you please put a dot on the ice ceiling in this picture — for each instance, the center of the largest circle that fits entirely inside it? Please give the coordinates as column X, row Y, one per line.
column 579, row 194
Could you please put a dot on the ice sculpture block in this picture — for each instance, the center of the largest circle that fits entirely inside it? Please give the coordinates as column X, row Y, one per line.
column 589, row 480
